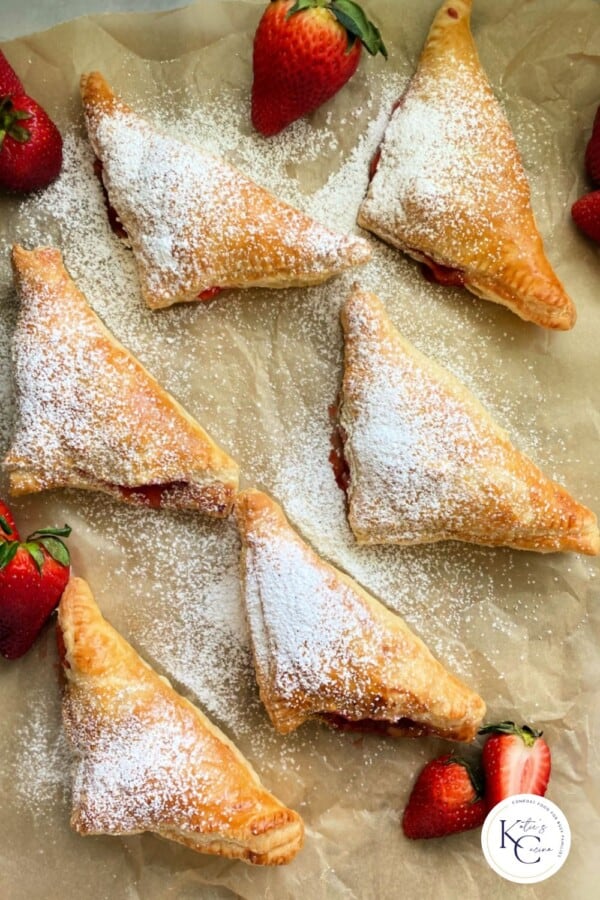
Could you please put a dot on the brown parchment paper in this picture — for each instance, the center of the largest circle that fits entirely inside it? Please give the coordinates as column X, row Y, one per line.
column 259, row 370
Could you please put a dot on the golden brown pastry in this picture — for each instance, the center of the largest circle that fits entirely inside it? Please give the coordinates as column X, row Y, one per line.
column 428, row 463
column 449, row 187
column 195, row 223
column 324, row 647
column 146, row 759
column 90, row 416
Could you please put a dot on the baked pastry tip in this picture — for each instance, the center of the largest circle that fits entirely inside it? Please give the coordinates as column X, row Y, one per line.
column 90, row 416
column 427, row 462
column 146, row 759
column 195, row 224
column 325, row 648
column 449, row 187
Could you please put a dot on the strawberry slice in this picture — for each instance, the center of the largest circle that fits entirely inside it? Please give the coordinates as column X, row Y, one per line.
column 515, row 761
column 446, row 799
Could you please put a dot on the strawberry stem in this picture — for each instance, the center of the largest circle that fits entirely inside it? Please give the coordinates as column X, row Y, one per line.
column 475, row 780
column 65, row 531
column 528, row 735
column 352, row 17
column 50, row 540
column 10, row 117
column 5, row 526
column 8, row 550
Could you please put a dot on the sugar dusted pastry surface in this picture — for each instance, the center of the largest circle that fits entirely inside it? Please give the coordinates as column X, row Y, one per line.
column 117, row 785
column 307, row 629
column 89, row 415
column 435, row 169
column 147, row 760
column 427, row 462
column 259, row 371
column 196, row 223
column 450, row 188
column 324, row 646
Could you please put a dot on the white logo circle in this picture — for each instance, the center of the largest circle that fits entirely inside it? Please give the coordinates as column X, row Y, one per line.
column 526, row 838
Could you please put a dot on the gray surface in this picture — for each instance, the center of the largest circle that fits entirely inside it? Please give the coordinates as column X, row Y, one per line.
column 19, row 17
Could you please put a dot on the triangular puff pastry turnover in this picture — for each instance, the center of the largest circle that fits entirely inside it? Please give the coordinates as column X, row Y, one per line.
column 428, row 463
column 323, row 647
column 449, row 187
column 195, row 223
column 146, row 759
column 90, row 416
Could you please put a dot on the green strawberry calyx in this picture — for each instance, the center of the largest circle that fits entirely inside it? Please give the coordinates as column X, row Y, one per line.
column 474, row 778
column 10, row 119
column 352, row 17
column 528, row 735
column 5, row 527
column 50, row 539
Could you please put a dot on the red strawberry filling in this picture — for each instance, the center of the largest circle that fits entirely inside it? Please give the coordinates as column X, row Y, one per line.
column 113, row 218
column 374, row 726
column 174, row 494
column 377, row 156
column 152, row 495
column 445, row 275
column 119, row 230
column 374, row 163
column 209, row 293
column 341, row 470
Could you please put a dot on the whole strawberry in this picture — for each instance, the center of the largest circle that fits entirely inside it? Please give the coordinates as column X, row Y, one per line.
column 304, row 52
column 592, row 152
column 445, row 800
column 9, row 80
column 33, row 575
column 586, row 215
column 515, row 761
column 30, row 145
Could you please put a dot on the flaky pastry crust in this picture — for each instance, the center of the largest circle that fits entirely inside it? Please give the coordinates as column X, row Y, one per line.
column 450, row 187
column 146, row 759
column 89, row 414
column 324, row 647
column 194, row 222
column 428, row 463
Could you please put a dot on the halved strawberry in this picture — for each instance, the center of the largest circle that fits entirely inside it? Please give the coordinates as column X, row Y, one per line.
column 446, row 799
column 515, row 761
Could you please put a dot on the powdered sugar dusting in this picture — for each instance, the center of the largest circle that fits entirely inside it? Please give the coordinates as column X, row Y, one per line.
column 438, row 185
column 195, row 222
column 259, row 370
column 44, row 759
column 426, row 461
column 308, row 629
column 144, row 761
column 82, row 399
